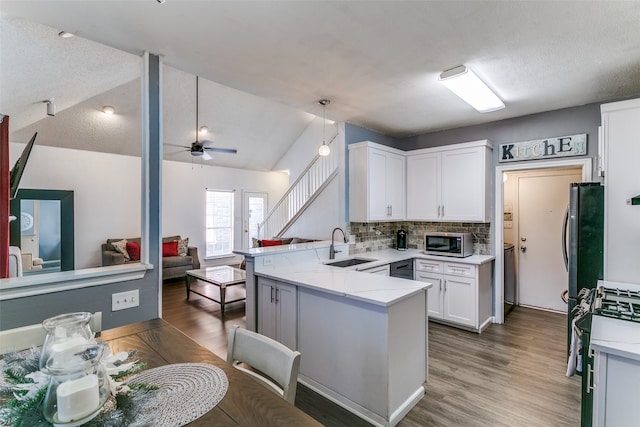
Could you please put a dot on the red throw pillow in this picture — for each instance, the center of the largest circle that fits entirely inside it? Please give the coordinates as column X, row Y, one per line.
column 133, row 248
column 170, row 248
column 271, row 242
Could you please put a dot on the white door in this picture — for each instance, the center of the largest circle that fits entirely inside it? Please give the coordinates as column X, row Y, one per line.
column 254, row 209
column 543, row 197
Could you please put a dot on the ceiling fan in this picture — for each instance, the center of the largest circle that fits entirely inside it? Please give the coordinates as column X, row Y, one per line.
column 202, row 148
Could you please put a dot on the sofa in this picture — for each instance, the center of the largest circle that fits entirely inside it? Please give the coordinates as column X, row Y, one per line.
column 174, row 264
column 278, row 241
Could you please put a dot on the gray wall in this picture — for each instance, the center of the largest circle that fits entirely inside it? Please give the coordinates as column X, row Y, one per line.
column 31, row 310
column 568, row 121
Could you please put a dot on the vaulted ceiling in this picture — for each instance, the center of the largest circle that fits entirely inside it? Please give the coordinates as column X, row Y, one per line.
column 265, row 64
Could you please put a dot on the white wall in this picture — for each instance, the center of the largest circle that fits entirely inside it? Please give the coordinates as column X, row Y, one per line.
column 328, row 210
column 183, row 197
column 107, row 194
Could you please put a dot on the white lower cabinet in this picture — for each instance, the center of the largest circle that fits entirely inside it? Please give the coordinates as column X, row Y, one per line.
column 614, row 377
column 461, row 293
column 277, row 311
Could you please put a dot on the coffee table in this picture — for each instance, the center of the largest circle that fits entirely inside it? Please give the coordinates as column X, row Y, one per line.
column 221, row 277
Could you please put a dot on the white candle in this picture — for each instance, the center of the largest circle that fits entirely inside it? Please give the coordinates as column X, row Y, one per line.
column 67, row 343
column 78, row 398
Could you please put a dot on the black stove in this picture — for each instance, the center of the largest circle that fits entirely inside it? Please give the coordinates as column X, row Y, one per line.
column 623, row 304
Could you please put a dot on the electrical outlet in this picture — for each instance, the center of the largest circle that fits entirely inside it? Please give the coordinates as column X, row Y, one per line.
column 123, row 300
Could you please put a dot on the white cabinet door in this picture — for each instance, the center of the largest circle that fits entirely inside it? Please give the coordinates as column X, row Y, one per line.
column 460, row 300
column 377, row 177
column 267, row 308
column 435, row 294
column 286, row 317
column 615, row 390
column 377, row 185
column 423, row 187
column 463, row 184
column 277, row 311
column 450, row 183
column 395, row 189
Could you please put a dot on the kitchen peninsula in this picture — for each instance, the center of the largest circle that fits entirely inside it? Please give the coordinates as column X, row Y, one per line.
column 363, row 337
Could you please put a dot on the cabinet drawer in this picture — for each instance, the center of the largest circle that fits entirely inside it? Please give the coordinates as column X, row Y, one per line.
column 429, row 265
column 464, row 270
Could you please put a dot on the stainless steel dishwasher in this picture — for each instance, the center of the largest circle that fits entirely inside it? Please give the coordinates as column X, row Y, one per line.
column 402, row 269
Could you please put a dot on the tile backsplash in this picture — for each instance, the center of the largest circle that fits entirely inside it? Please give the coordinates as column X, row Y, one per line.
column 374, row 236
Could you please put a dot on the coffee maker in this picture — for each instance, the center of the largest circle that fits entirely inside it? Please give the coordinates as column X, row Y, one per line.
column 401, row 239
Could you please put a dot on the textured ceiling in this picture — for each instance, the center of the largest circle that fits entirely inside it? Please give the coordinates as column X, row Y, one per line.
column 378, row 61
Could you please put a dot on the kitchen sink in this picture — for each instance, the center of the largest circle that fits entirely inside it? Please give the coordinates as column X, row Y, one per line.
column 350, row 262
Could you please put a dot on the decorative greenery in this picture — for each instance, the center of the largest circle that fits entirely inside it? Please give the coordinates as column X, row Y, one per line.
column 23, row 388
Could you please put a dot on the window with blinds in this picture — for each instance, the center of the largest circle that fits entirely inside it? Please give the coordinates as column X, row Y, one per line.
column 219, row 223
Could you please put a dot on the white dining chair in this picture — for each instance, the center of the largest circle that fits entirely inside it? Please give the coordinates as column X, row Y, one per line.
column 33, row 335
column 273, row 364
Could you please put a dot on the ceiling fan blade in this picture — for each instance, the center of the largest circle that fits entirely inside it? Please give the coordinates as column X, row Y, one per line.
column 176, row 145
column 175, row 152
column 222, row 150
column 206, row 156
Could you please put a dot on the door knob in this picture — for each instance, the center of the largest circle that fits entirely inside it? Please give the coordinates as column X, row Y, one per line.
column 523, row 249
column 524, row 239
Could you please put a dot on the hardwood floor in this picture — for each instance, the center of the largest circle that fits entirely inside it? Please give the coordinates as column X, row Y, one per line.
column 510, row 375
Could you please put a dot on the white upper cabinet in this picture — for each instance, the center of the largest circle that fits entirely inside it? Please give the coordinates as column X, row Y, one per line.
column 450, row 183
column 376, row 183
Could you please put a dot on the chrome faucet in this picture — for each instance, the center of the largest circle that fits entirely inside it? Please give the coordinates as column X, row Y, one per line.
column 332, row 251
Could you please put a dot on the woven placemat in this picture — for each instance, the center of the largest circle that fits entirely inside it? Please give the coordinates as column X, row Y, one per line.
column 186, row 392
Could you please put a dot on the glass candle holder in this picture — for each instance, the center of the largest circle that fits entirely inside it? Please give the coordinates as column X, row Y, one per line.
column 65, row 331
column 78, row 385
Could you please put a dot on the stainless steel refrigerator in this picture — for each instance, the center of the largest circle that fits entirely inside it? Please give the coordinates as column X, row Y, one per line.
column 584, row 243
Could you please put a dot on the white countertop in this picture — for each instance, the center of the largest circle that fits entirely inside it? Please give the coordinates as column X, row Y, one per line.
column 615, row 336
column 387, row 256
column 271, row 250
column 348, row 283
column 384, row 256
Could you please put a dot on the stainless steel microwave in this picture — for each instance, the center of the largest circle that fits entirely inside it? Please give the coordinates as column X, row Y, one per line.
column 449, row 244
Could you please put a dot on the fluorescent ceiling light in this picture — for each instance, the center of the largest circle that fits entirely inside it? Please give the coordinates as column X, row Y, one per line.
column 464, row 83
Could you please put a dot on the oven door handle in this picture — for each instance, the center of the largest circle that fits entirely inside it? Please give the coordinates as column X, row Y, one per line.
column 565, row 254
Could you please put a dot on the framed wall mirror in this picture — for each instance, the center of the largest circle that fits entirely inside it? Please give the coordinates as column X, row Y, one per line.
column 43, row 230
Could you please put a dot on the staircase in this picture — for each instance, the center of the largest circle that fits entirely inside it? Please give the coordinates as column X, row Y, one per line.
column 316, row 176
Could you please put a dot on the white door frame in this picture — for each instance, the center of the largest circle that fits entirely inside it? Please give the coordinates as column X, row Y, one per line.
column 498, row 224
column 245, row 210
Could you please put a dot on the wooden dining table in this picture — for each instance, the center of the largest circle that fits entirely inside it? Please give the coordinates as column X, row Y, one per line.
column 246, row 402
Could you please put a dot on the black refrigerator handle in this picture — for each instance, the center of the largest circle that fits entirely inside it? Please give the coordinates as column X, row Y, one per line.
column 565, row 254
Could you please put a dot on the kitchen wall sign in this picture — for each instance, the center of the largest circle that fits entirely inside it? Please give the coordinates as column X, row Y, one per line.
column 549, row 148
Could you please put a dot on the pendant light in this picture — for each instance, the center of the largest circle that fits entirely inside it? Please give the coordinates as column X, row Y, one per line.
column 324, row 149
